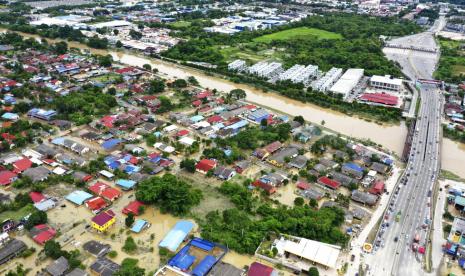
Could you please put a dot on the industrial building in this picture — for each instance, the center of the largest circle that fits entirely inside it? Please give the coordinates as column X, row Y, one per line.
column 325, row 82
column 299, row 73
column 347, row 82
column 237, row 65
column 386, row 83
column 266, row 69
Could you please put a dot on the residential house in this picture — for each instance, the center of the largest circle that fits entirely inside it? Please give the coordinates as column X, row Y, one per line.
column 96, row 248
column 280, row 157
column 37, row 174
column 205, row 165
column 298, row 162
column 103, row 221
column 258, row 269
column 224, row 173
column 42, row 233
column 364, row 198
column 58, row 267
column 133, row 207
column 329, row 183
column 353, row 170
column 7, row 177
column 241, row 166
column 379, row 167
column 11, row 250
column 104, row 267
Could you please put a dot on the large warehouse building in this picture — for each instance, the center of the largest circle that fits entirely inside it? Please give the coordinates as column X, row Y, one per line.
column 347, row 82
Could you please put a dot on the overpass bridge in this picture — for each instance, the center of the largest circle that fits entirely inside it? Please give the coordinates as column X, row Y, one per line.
column 410, row 47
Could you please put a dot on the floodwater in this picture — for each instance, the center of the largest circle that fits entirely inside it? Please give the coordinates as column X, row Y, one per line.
column 391, row 137
column 453, row 157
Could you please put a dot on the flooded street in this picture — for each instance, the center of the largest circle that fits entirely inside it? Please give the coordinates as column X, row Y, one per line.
column 390, row 136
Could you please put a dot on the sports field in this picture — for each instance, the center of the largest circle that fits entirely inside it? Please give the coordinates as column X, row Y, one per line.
column 298, row 33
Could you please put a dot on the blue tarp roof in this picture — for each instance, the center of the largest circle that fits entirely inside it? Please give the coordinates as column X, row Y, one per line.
column 138, row 225
column 126, row 183
column 176, row 235
column 185, row 262
column 353, row 166
column 204, row 266
column 111, row 143
column 58, row 141
column 78, row 197
column 202, row 244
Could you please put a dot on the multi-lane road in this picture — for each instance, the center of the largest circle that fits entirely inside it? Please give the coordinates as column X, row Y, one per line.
column 412, row 197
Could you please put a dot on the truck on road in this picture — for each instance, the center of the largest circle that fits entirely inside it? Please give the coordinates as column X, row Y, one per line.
column 398, row 216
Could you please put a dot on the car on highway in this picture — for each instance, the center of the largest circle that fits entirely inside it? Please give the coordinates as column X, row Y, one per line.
column 396, row 239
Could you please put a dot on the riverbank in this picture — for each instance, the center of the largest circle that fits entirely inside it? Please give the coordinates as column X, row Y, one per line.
column 391, row 137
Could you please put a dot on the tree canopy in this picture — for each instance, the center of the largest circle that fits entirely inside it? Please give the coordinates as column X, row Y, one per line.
column 169, row 193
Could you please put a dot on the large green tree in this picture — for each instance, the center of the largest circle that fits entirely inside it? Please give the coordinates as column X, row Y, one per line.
column 169, row 193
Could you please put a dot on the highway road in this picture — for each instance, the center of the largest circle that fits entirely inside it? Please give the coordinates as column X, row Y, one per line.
column 393, row 254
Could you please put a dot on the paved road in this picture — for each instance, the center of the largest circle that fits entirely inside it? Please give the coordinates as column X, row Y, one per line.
column 393, row 254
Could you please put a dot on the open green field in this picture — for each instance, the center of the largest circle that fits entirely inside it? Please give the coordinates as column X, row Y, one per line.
column 298, row 33
column 180, row 24
column 18, row 214
column 107, row 77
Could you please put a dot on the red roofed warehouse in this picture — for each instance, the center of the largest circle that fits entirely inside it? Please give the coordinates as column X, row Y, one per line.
column 380, row 98
column 7, row 177
column 133, row 207
column 330, row 183
column 204, row 165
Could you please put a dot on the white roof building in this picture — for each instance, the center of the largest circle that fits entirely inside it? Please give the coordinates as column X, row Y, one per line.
column 312, row 251
column 386, row 82
column 347, row 82
column 113, row 24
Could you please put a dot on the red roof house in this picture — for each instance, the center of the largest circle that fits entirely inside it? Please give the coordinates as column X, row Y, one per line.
column 258, row 269
column 270, row 189
column 42, row 233
column 328, row 182
column 303, row 185
column 22, row 165
column 133, row 207
column 182, row 132
column 98, row 188
column 111, row 194
column 7, row 177
column 96, row 204
column 378, row 188
column 196, row 103
column 36, row 197
column 214, row 119
column 204, row 165
column 273, row 147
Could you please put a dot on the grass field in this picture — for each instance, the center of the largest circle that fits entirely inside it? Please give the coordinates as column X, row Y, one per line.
column 298, row 33
column 457, row 70
column 180, row 24
column 18, row 214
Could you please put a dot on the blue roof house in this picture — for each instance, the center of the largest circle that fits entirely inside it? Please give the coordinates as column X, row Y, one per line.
column 126, row 184
column 78, row 197
column 139, row 225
